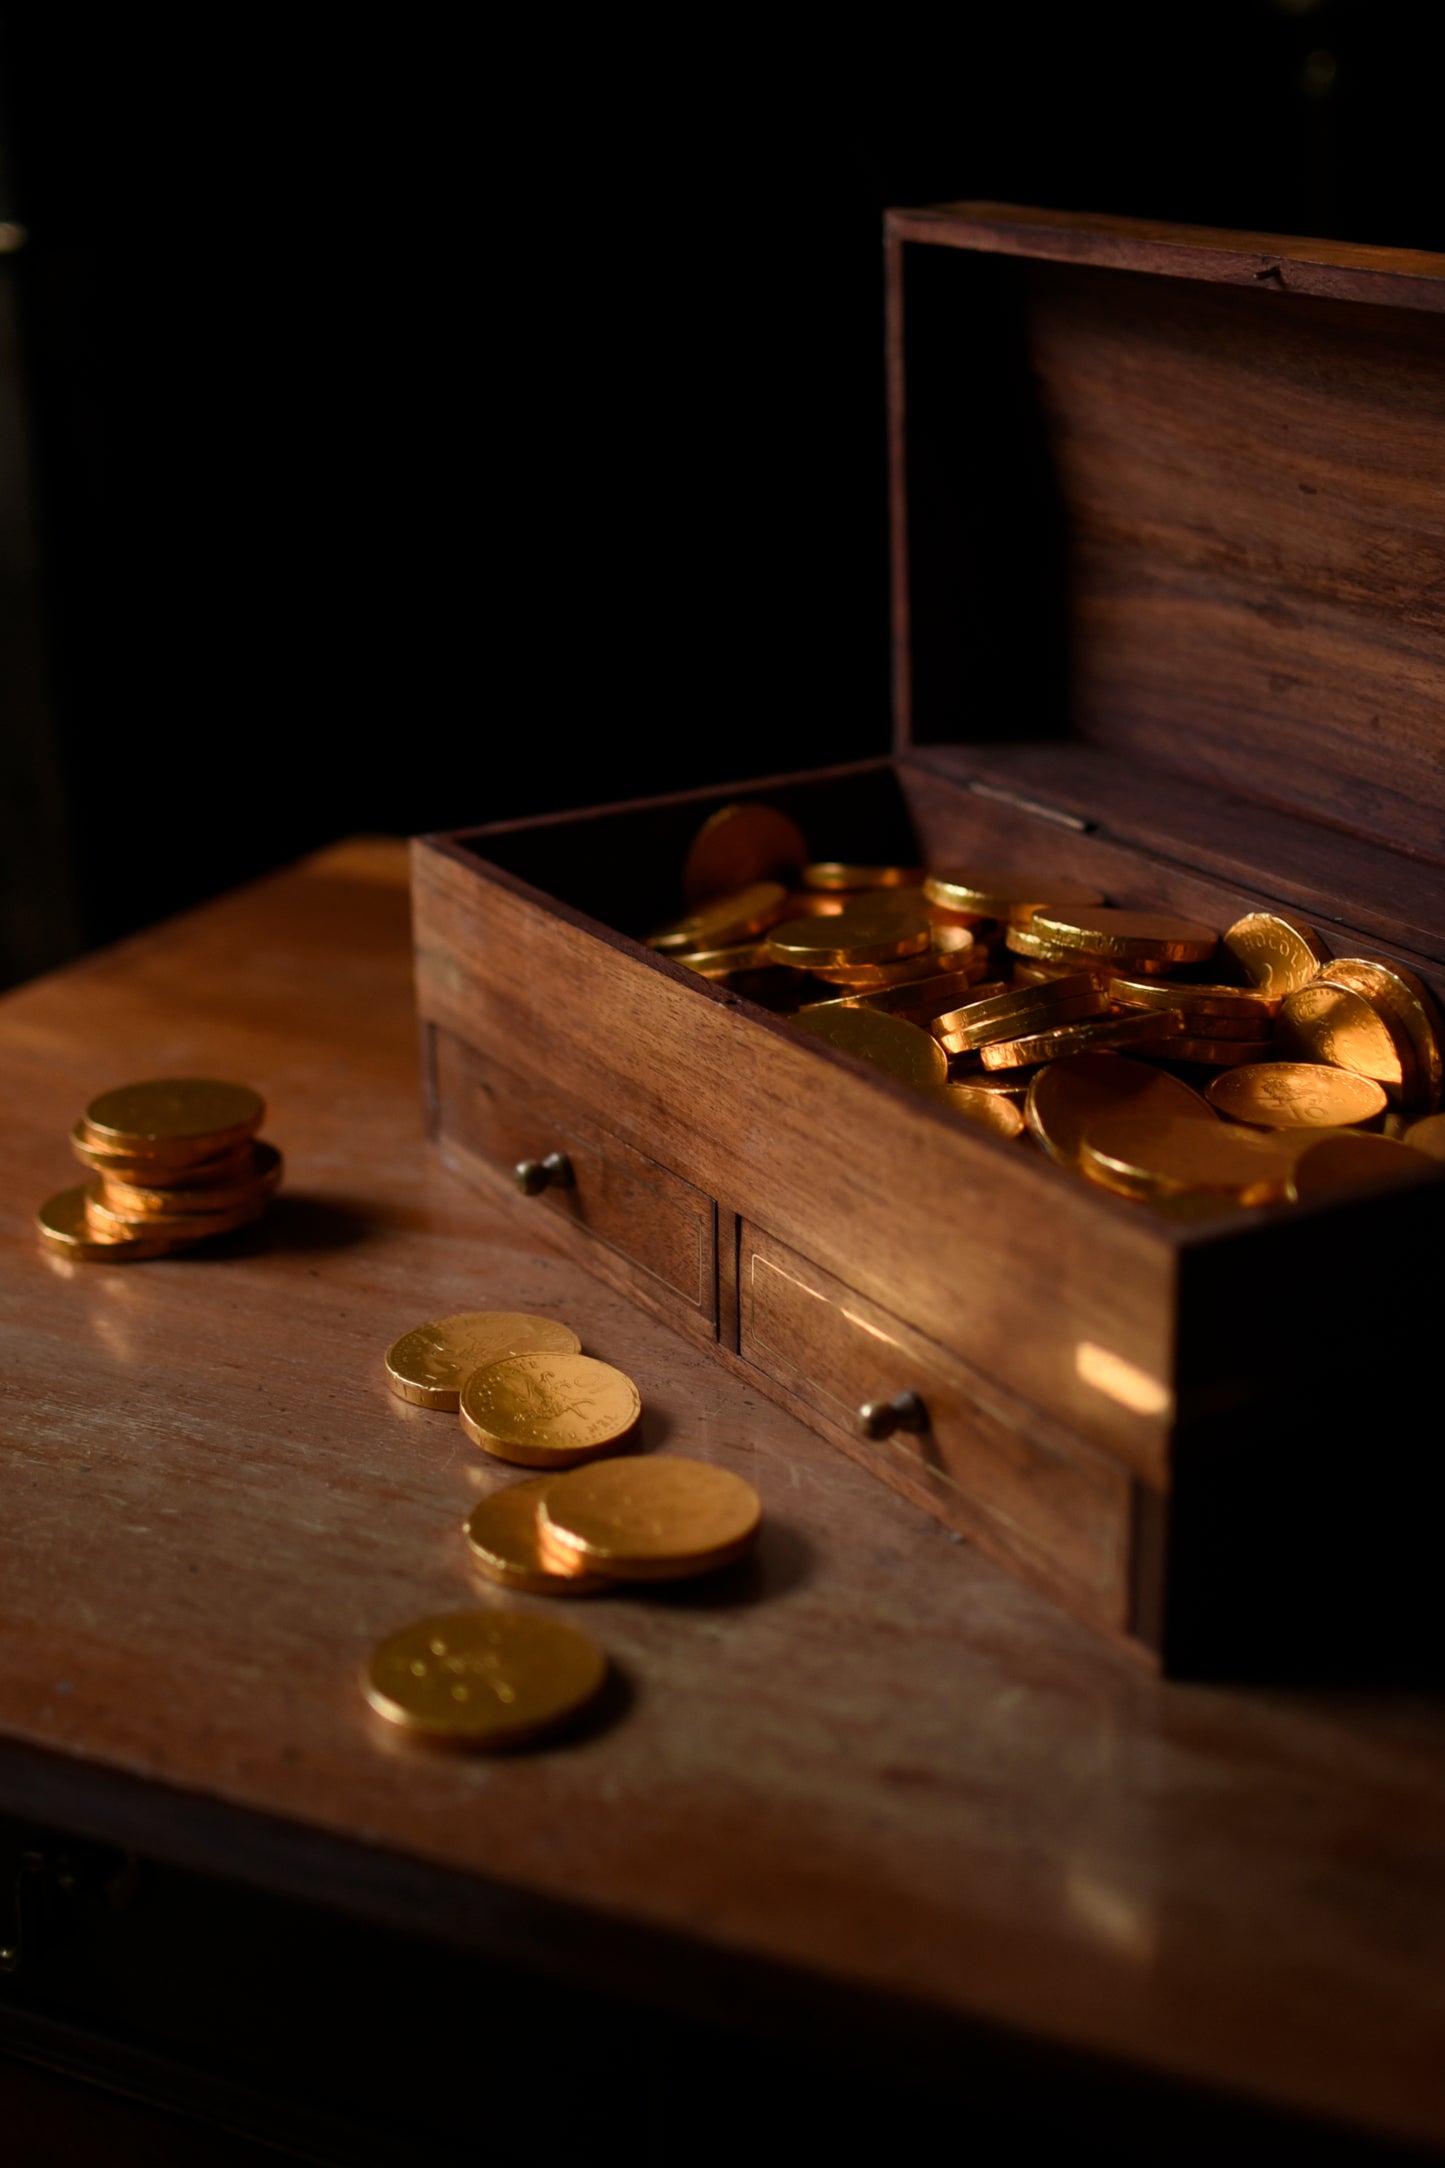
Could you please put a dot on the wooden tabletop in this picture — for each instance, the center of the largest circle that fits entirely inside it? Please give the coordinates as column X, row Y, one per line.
column 871, row 1766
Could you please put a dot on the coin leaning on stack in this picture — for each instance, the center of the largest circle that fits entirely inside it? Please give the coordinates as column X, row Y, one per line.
column 1023, row 1002
column 525, row 1392
column 174, row 1160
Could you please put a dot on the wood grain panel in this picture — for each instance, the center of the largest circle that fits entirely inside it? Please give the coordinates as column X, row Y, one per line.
column 989, row 1465
column 619, row 1196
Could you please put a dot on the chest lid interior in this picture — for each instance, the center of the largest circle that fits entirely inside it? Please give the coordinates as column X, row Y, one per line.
column 1169, row 543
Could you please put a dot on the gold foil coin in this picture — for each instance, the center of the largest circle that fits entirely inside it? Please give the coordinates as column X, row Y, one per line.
column 505, row 1544
column 137, row 1200
column 875, row 929
column 63, row 1225
column 1249, row 1011
column 548, row 1410
column 990, row 892
column 483, row 1678
column 920, row 1000
column 1208, row 1053
column 659, row 1519
column 1428, row 1135
column 1143, row 1153
column 1083, row 1038
column 724, row 919
column 986, row 1110
column 1341, row 1163
column 1145, row 935
column 144, row 1167
column 1015, row 1011
column 174, row 1228
column 1296, row 1095
column 738, row 846
column 876, row 978
column 1277, row 954
column 834, row 874
column 174, row 1118
column 1397, row 994
column 1325, row 1022
column 1067, row 1095
column 890, row 1043
column 724, row 962
column 429, row 1365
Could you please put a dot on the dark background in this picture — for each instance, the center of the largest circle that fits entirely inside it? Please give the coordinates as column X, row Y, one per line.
column 415, row 419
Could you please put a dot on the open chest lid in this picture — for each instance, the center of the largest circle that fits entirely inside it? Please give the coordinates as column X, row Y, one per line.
column 1169, row 544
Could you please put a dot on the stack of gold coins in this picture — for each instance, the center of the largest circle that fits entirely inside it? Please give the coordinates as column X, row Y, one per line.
column 173, row 1161
column 658, row 1518
column 1022, row 1001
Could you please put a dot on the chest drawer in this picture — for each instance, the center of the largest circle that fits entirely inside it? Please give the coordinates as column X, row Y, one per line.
column 1019, row 1485
column 659, row 1230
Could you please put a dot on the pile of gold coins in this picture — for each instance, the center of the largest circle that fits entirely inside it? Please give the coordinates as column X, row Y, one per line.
column 1170, row 1062
column 525, row 1393
column 172, row 1161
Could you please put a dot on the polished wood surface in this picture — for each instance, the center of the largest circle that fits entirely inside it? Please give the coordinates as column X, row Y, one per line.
column 875, row 1762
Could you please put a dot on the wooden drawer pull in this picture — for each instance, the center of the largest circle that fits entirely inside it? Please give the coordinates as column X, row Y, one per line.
column 880, row 1418
column 532, row 1176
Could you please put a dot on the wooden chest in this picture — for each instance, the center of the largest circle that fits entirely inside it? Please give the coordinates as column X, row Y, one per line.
column 1169, row 604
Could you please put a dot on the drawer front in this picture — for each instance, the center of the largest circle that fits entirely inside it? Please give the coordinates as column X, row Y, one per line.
column 1027, row 1491
column 639, row 1209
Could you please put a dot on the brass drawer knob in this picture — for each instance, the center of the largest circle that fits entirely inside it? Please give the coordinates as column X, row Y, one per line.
column 880, row 1418
column 532, row 1176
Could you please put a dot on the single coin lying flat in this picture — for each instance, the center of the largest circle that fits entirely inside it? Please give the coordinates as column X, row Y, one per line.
column 429, row 1365
column 548, row 1410
column 483, row 1678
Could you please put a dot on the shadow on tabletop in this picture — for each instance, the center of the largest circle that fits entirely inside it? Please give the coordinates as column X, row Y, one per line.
column 306, row 1226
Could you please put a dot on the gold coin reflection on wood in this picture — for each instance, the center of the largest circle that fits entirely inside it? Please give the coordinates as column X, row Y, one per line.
column 1325, row 1022
column 1143, row 1153
column 1151, row 936
column 990, row 892
column 1083, row 1038
column 1277, row 954
column 724, row 919
column 64, row 1226
column 1408, row 1003
column 429, row 1365
column 1067, row 1095
column 548, row 1410
column 1428, row 1135
column 505, row 1544
column 483, row 1678
column 660, row 1519
column 833, row 873
column 1340, row 1163
column 986, row 1110
column 262, row 1169
column 891, row 1043
column 174, row 1118
column 739, row 845
column 1296, row 1095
